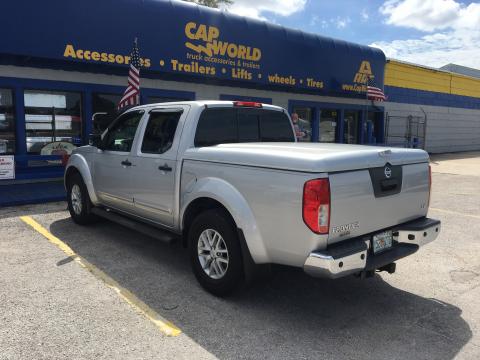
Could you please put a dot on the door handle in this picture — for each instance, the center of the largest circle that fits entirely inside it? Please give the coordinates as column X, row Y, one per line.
column 126, row 163
column 165, row 168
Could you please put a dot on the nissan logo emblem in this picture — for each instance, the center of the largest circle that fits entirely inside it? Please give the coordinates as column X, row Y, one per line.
column 388, row 172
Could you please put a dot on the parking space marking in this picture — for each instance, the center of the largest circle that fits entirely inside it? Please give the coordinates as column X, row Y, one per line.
column 164, row 325
column 455, row 213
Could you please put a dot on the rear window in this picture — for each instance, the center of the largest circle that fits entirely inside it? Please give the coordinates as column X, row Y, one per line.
column 231, row 125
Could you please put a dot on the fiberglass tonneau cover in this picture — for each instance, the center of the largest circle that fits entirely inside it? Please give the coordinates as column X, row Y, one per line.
column 307, row 157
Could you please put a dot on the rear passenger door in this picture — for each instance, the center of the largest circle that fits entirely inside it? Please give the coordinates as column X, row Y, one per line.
column 153, row 183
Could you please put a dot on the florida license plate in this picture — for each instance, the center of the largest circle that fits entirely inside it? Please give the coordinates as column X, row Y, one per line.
column 382, row 241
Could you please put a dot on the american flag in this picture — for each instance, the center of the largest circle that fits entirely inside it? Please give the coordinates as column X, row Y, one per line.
column 131, row 96
column 375, row 93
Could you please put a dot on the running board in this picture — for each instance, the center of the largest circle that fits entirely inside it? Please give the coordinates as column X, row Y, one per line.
column 149, row 230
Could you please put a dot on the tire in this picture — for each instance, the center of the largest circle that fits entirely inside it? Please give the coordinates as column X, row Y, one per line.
column 79, row 204
column 224, row 273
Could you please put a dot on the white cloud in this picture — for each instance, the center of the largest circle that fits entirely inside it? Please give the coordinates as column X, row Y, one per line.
column 341, row 23
column 257, row 8
column 364, row 14
column 453, row 32
column 436, row 50
column 425, row 15
column 338, row 22
column 315, row 21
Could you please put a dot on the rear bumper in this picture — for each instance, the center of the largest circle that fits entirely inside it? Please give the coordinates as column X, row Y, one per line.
column 355, row 255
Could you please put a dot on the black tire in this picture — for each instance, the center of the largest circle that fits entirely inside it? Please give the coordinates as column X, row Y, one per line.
column 84, row 216
column 233, row 277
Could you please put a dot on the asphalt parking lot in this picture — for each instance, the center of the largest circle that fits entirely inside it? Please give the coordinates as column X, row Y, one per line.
column 52, row 306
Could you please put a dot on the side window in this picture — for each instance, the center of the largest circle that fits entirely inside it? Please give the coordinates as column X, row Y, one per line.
column 160, row 132
column 121, row 135
column 216, row 126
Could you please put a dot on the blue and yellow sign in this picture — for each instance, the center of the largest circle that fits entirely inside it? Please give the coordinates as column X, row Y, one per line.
column 178, row 38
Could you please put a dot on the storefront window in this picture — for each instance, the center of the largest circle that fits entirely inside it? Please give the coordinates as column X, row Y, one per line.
column 104, row 108
column 105, row 102
column 302, row 118
column 7, row 122
column 350, row 127
column 328, row 125
column 52, row 117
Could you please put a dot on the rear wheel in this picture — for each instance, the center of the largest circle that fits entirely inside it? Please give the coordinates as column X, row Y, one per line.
column 79, row 204
column 215, row 252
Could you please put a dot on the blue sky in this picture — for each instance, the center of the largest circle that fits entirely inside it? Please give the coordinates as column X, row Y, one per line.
column 354, row 20
column 428, row 32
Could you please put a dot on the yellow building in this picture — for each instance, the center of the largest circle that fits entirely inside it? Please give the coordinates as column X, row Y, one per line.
column 438, row 109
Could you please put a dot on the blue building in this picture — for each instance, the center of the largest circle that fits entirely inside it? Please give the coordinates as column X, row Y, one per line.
column 69, row 60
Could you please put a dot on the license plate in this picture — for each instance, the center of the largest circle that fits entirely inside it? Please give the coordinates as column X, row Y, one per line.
column 382, row 241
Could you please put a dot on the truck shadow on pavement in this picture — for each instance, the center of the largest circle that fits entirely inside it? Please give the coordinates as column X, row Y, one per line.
column 289, row 316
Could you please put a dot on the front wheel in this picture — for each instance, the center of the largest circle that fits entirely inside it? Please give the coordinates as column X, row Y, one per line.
column 215, row 252
column 79, row 204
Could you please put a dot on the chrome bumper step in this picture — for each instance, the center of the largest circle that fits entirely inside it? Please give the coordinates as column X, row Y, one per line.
column 355, row 256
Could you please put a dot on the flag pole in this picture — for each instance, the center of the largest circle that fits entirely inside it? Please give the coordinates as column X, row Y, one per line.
column 135, row 40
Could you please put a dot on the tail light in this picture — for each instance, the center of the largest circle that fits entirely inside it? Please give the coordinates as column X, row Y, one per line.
column 316, row 205
column 429, row 184
column 251, row 104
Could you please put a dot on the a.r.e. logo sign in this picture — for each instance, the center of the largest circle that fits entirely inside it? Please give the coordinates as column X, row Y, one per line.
column 364, row 73
column 361, row 78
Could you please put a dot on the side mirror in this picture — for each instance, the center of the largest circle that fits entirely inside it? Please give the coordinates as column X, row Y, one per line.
column 96, row 140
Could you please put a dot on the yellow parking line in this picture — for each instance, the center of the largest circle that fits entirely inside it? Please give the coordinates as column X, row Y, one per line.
column 164, row 325
column 455, row 213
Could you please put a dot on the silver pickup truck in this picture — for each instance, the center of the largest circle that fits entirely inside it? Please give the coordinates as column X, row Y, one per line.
column 229, row 180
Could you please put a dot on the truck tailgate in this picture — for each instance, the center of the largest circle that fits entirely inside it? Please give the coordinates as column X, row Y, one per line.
column 369, row 200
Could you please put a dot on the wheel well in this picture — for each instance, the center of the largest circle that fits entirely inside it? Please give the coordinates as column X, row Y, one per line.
column 70, row 172
column 195, row 208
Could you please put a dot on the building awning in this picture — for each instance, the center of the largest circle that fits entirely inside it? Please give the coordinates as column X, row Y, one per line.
column 182, row 40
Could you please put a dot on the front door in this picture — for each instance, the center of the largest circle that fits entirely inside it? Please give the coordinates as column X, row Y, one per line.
column 303, row 119
column 350, row 127
column 113, row 166
column 328, row 126
column 156, row 165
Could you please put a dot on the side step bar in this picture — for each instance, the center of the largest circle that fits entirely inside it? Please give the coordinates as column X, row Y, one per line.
column 149, row 230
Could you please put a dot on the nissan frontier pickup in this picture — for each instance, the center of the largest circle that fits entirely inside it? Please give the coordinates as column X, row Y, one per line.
column 231, row 182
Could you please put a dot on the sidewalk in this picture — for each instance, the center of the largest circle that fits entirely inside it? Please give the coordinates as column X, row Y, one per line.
column 463, row 163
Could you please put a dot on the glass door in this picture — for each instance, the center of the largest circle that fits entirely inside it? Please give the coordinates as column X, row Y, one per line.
column 350, row 127
column 104, row 110
column 328, row 126
column 369, row 129
column 302, row 118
